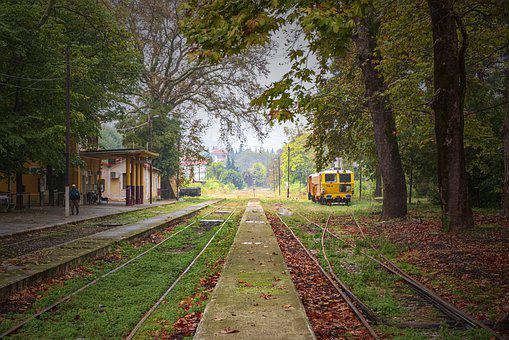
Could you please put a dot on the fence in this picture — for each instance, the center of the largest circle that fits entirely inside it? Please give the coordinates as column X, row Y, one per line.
column 11, row 201
column 18, row 201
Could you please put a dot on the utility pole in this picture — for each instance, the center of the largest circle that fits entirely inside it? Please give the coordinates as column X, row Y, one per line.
column 360, row 182
column 288, row 177
column 150, row 149
column 178, row 164
column 279, row 174
column 67, row 128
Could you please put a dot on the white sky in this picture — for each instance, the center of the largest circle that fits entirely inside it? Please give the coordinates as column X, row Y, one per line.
column 278, row 66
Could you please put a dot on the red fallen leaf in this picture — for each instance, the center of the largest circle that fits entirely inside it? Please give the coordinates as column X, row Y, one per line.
column 267, row 296
column 245, row 284
column 288, row 307
column 229, row 330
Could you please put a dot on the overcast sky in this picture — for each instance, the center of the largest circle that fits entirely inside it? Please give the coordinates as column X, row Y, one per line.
column 278, row 66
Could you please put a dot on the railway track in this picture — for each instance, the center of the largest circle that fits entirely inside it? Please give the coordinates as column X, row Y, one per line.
column 22, row 244
column 172, row 286
column 67, row 297
column 338, row 287
column 457, row 316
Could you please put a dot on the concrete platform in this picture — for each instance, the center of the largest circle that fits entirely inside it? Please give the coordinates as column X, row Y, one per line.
column 16, row 274
column 255, row 297
column 37, row 218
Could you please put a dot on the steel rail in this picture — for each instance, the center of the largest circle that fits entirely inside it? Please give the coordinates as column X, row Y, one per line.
column 161, row 299
column 93, row 282
column 447, row 308
column 436, row 300
column 49, row 234
column 345, row 297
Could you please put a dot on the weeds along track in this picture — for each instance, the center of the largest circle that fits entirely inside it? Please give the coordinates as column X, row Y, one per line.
column 163, row 296
column 331, row 312
column 137, row 258
column 456, row 317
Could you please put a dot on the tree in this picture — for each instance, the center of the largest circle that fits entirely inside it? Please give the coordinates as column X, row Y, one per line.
column 389, row 159
column 110, row 138
column 258, row 174
column 234, row 177
column 328, row 30
column 302, row 162
column 448, row 104
column 175, row 84
column 34, row 36
column 505, row 132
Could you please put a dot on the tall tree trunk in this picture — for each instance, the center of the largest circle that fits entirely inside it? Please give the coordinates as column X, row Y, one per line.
column 395, row 195
column 449, row 83
column 505, row 132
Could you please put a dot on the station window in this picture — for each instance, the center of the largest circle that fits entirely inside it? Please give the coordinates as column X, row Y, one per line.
column 345, row 177
column 330, row 177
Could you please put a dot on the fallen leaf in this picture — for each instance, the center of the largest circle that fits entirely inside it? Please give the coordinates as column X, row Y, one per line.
column 229, row 330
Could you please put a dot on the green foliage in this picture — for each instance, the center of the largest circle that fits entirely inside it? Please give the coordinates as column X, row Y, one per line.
column 234, row 177
column 109, row 138
column 244, row 159
column 258, row 174
column 33, row 38
column 302, row 160
column 217, row 172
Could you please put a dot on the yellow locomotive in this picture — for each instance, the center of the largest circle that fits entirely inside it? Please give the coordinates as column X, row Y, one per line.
column 331, row 186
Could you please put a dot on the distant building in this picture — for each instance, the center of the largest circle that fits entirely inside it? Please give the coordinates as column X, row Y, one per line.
column 194, row 170
column 218, row 155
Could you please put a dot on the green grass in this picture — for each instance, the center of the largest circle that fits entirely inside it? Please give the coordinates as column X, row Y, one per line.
column 378, row 289
column 170, row 311
column 113, row 306
column 138, row 215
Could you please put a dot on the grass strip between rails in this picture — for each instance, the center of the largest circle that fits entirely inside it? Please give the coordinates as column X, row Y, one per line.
column 110, row 308
column 191, row 289
column 379, row 290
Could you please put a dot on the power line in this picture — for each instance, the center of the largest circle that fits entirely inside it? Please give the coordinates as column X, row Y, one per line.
column 30, row 79
column 29, row 87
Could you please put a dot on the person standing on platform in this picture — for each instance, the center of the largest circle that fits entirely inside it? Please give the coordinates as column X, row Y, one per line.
column 74, row 196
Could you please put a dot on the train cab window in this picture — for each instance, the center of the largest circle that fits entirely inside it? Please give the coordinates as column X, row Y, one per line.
column 345, row 188
column 344, row 177
column 330, row 178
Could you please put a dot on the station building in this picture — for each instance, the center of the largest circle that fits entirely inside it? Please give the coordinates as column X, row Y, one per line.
column 121, row 175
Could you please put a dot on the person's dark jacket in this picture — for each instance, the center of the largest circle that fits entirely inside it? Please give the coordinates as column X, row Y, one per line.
column 74, row 194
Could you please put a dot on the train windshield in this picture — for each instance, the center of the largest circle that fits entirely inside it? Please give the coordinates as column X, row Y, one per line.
column 345, row 187
column 344, row 177
column 330, row 178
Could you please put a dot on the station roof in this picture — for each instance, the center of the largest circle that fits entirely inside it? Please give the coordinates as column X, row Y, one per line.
column 118, row 153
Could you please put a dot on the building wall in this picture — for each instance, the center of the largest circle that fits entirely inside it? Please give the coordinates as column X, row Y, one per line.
column 114, row 188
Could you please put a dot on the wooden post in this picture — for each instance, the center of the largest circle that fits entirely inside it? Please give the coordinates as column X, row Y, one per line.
column 150, row 181
column 135, row 181
column 142, row 180
column 127, row 180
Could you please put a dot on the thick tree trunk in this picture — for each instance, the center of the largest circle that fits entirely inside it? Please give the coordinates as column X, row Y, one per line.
column 395, row 196
column 505, row 131
column 167, row 190
column 449, row 83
